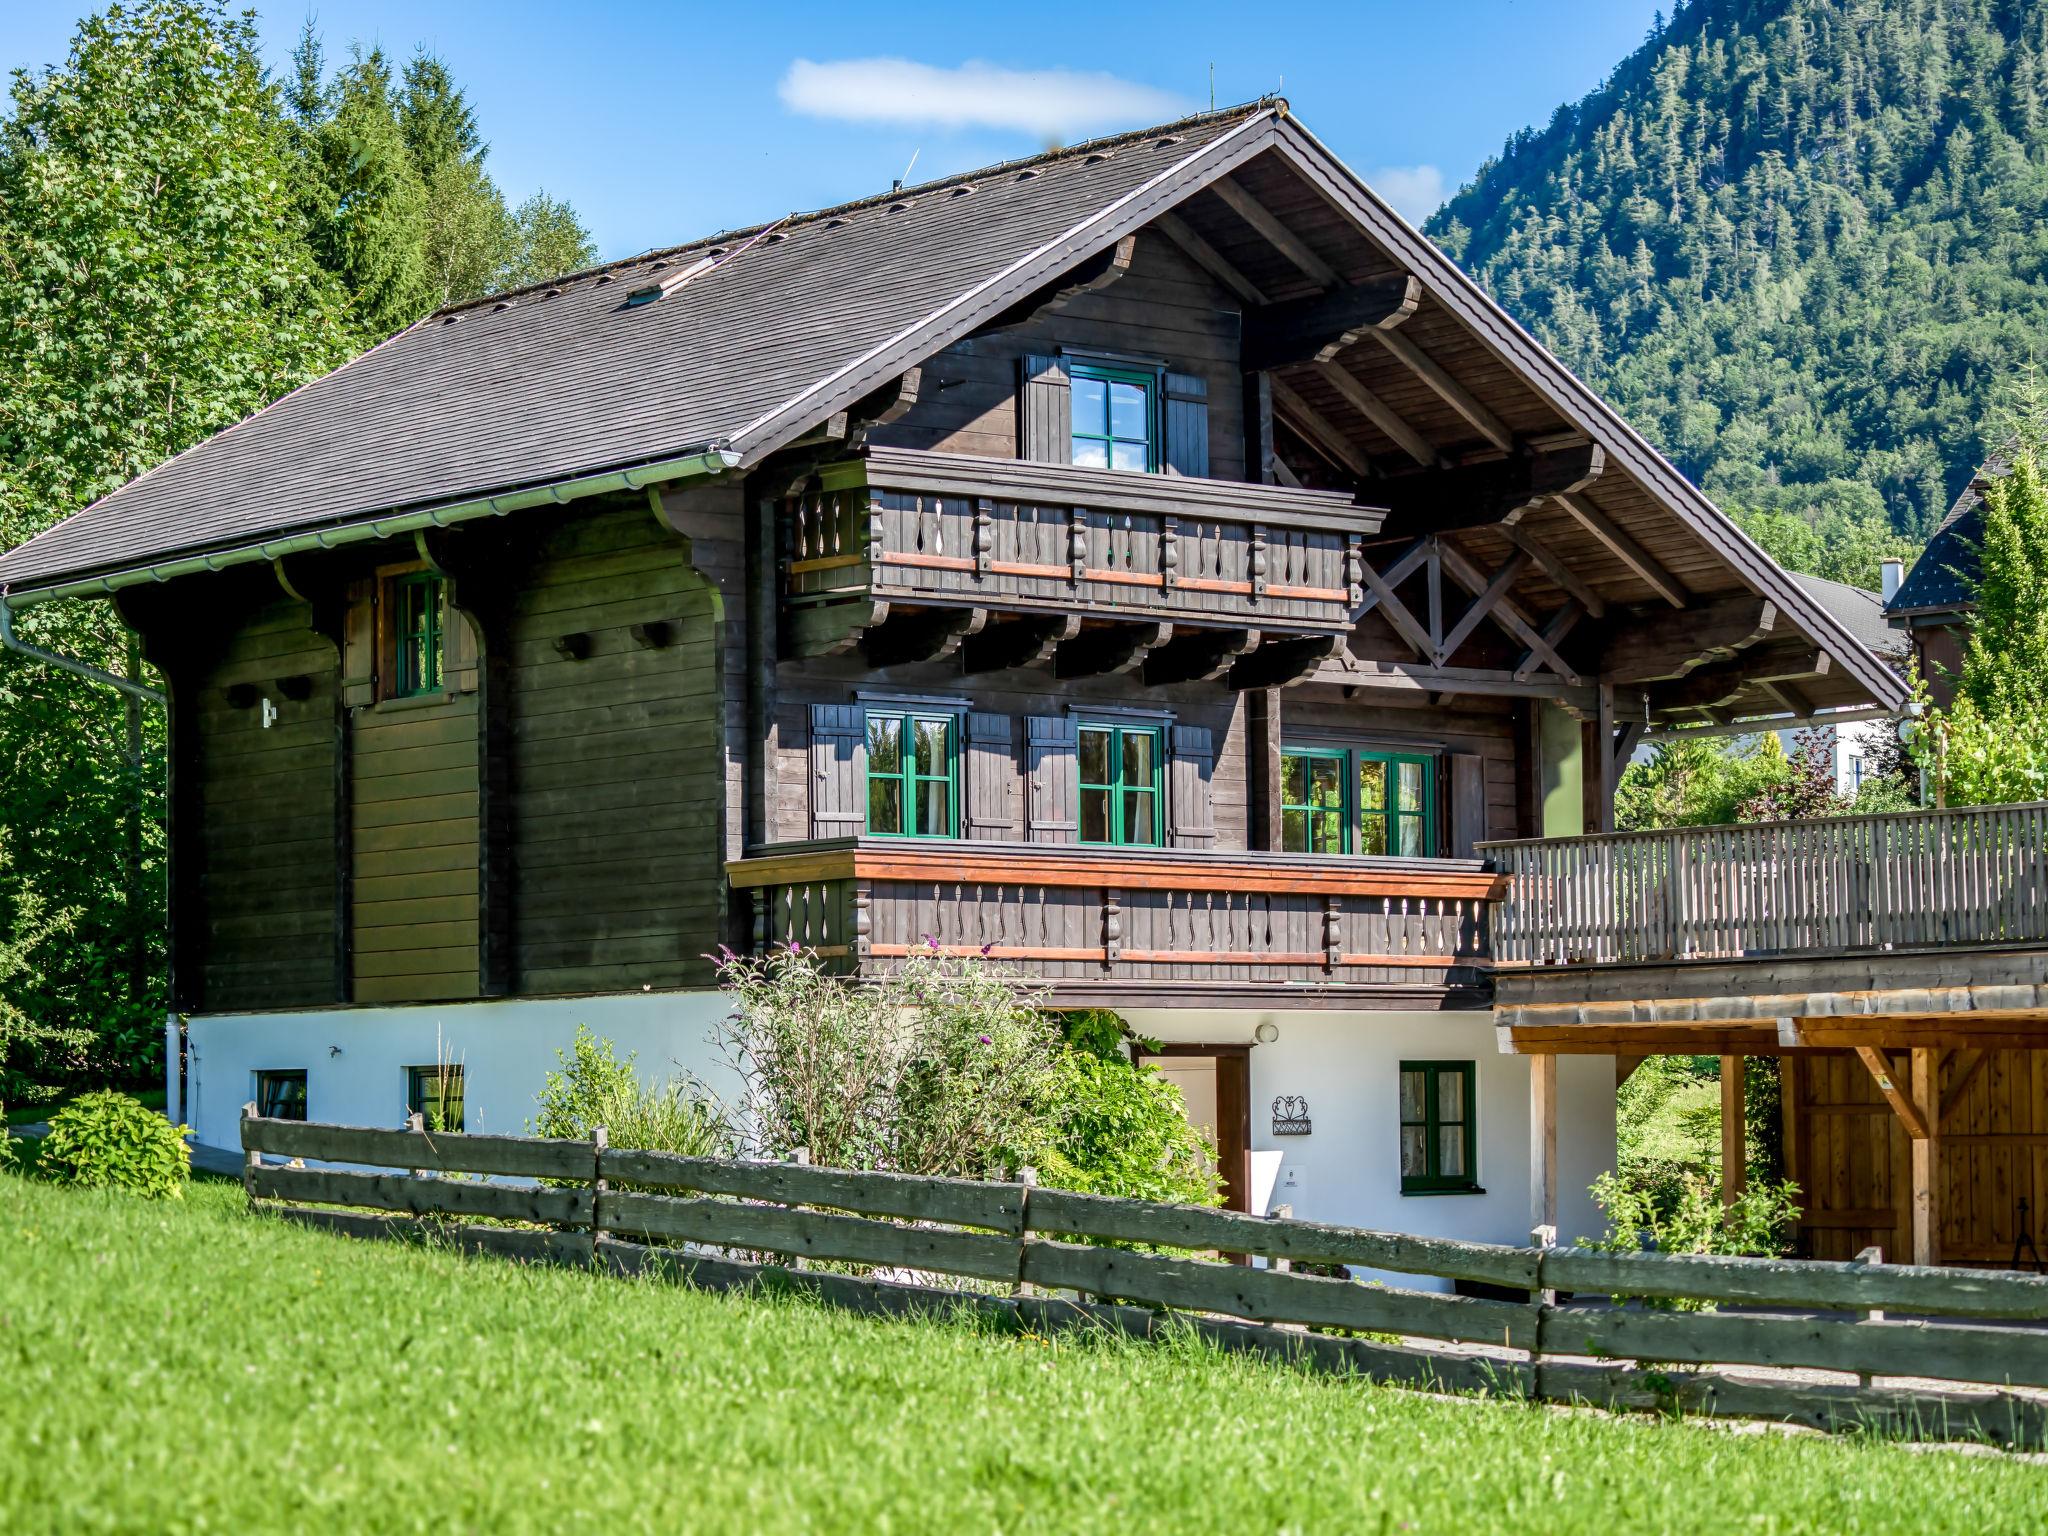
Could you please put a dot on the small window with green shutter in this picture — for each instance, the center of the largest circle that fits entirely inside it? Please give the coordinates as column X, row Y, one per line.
column 1437, row 1127
column 913, row 775
column 418, row 603
column 1121, row 771
column 1115, row 417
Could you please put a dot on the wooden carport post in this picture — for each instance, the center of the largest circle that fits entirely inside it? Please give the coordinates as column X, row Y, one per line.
column 1734, row 1139
column 1543, row 1148
column 1919, row 1110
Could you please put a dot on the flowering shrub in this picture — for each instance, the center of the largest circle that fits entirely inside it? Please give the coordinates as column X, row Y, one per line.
column 592, row 1087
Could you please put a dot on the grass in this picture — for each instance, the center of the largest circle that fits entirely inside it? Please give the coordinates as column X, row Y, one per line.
column 185, row 1366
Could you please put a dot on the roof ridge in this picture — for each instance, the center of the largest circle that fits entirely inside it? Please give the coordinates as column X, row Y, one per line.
column 796, row 220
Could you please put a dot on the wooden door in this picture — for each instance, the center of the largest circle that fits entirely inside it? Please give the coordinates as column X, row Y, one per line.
column 1232, row 1109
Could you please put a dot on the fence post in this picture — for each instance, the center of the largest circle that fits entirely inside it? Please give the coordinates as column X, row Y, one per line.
column 801, row 1156
column 1871, row 1255
column 1542, row 1238
column 416, row 1123
column 600, row 1139
column 1027, row 1177
column 251, row 1158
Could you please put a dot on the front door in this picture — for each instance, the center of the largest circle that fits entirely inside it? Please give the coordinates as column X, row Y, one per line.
column 1215, row 1084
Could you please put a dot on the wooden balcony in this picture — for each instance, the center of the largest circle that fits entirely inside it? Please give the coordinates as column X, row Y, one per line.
column 1128, row 927
column 899, row 528
column 1851, row 931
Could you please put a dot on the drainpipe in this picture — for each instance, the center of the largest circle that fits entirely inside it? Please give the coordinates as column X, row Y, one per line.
column 10, row 641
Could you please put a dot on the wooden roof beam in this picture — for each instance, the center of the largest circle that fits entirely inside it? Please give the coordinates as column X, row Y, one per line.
column 929, row 634
column 1489, row 494
column 1879, row 1067
column 1647, row 650
column 1209, row 259
column 1552, row 566
column 1025, row 642
column 1517, row 621
column 1198, row 656
column 1379, row 593
column 1088, row 276
column 1280, row 663
column 1624, row 548
column 1481, row 682
column 1379, row 413
column 1317, row 431
column 1278, row 235
column 1483, row 604
column 1317, row 329
column 1112, row 649
column 1448, row 389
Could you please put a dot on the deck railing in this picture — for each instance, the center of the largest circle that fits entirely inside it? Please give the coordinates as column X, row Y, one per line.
column 905, row 526
column 1084, row 918
column 1838, row 885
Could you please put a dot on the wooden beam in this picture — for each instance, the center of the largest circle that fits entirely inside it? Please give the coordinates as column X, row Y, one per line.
column 1262, row 464
column 1111, row 649
column 1090, row 275
column 1379, row 589
column 1025, row 642
column 1734, row 1141
column 1557, row 570
column 1280, row 663
column 1317, row 328
column 1197, row 656
column 1493, row 493
column 1282, row 239
column 1605, row 771
column 1766, row 666
column 1662, row 647
column 1516, row 620
column 1624, row 548
column 1968, row 1063
column 1483, row 604
column 1787, row 696
column 1634, row 1039
column 1543, row 1144
column 1480, row 682
column 1926, row 1157
column 1627, row 736
column 920, row 635
column 1378, row 412
column 1878, row 1065
column 1625, row 1068
column 1318, row 432
column 1208, row 258
column 1448, row 389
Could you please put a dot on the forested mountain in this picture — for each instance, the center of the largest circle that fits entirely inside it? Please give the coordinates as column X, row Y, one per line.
column 1800, row 243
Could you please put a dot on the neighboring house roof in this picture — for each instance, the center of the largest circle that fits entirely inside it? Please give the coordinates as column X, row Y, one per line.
column 1942, row 578
column 562, row 379
column 1861, row 613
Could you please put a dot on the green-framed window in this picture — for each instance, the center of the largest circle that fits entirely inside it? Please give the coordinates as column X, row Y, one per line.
column 418, row 622
column 1334, row 800
column 1437, row 1126
column 281, row 1095
column 435, row 1095
column 1314, row 808
column 1115, row 417
column 913, row 774
column 1123, row 773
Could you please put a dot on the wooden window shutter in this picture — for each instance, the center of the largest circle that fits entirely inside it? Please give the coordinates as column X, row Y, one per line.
column 1191, row 803
column 991, row 779
column 1045, row 412
column 1187, row 425
column 359, row 645
column 1054, row 775
column 1468, row 803
column 839, row 770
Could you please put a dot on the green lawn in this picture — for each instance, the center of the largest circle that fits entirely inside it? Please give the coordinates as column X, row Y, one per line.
column 186, row 1367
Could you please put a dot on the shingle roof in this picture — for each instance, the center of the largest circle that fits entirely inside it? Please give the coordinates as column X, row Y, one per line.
column 1861, row 612
column 564, row 378
column 1946, row 571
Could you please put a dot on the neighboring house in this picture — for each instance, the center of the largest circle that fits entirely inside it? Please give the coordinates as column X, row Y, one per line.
column 1853, row 746
column 1152, row 563
column 1933, row 604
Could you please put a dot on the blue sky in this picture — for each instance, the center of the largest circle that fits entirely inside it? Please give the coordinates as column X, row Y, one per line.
column 661, row 122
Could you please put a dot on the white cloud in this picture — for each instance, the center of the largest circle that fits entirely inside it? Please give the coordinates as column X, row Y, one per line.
column 1416, row 191
column 1053, row 104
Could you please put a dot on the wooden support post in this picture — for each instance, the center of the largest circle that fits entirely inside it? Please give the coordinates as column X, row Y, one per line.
column 251, row 1159
column 1734, row 1141
column 1543, row 1143
column 1028, row 1177
column 1926, row 1155
column 600, row 1194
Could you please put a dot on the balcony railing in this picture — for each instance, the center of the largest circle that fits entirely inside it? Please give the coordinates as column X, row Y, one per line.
column 1099, row 921
column 1841, row 885
column 912, row 527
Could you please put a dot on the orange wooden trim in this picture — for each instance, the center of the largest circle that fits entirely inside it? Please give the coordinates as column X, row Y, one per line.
column 1010, row 867
column 1307, row 961
column 1311, row 594
column 993, row 951
column 1064, row 573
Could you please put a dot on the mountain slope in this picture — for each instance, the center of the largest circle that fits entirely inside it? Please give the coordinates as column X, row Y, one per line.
column 1800, row 243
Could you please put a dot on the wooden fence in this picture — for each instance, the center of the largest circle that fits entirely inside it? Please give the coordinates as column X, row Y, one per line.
column 1841, row 884
column 628, row 1211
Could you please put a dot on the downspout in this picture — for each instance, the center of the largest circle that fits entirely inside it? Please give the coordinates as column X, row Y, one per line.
column 13, row 642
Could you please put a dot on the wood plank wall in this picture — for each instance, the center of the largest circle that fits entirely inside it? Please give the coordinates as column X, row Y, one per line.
column 1165, row 307
column 265, row 840
column 617, row 777
column 1850, row 1155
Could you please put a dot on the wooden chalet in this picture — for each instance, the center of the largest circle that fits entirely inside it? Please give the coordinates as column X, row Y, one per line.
column 1152, row 563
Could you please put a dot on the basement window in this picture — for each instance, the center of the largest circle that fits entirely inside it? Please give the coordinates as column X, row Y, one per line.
column 1437, row 1121
column 435, row 1095
column 281, row 1095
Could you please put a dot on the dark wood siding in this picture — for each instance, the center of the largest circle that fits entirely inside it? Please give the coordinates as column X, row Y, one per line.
column 618, row 784
column 264, row 834
column 1165, row 308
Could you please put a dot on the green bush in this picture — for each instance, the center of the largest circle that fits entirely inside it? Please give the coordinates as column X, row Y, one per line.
column 593, row 1087
column 1695, row 1221
column 1123, row 1130
column 110, row 1141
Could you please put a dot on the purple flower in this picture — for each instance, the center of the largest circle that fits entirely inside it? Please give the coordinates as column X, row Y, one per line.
column 931, row 942
column 795, row 948
column 988, row 949
column 985, row 1040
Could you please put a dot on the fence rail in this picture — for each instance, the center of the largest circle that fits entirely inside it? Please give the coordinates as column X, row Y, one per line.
column 1832, row 886
column 626, row 1210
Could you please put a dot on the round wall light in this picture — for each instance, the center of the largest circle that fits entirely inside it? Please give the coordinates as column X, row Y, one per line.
column 1266, row 1034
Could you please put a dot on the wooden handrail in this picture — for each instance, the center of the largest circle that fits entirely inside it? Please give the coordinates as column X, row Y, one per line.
column 1079, row 866
column 1958, row 812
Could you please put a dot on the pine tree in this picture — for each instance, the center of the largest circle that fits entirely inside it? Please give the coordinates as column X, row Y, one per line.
column 367, row 206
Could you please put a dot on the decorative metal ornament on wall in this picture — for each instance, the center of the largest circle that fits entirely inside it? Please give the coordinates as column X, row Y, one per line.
column 1290, row 1115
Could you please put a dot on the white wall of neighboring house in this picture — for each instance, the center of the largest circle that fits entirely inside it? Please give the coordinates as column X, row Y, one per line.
column 1346, row 1064
column 1852, row 747
column 1348, row 1169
